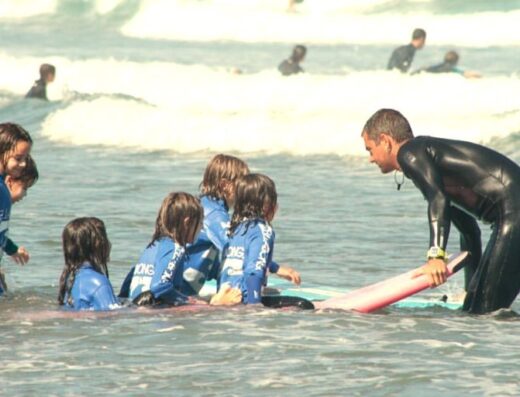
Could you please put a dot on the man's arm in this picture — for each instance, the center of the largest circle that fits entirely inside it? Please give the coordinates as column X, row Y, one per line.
column 417, row 164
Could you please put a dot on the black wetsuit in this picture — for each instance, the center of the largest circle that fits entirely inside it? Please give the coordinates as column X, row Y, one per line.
column 38, row 90
column 462, row 181
column 289, row 67
column 402, row 58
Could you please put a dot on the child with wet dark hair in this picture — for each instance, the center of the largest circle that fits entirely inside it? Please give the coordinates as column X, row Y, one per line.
column 157, row 276
column 84, row 283
column 250, row 249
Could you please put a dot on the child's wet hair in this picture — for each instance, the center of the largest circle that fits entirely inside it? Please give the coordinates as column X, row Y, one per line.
column 84, row 240
column 10, row 135
column 254, row 194
column 221, row 167
column 175, row 208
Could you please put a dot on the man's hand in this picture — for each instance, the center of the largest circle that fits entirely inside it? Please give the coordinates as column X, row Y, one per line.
column 436, row 271
column 289, row 274
column 21, row 256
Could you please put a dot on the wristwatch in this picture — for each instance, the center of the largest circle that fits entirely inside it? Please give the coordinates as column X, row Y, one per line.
column 436, row 253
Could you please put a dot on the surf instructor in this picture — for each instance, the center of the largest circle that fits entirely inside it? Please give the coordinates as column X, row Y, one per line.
column 462, row 182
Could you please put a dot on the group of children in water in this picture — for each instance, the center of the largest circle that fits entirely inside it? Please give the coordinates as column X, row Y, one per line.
column 195, row 239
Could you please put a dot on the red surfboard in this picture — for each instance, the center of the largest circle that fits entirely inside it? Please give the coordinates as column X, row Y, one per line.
column 384, row 293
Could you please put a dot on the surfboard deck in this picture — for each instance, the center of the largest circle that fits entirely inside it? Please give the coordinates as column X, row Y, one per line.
column 320, row 294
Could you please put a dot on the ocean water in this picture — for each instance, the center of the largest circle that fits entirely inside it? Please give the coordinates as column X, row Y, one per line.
column 145, row 96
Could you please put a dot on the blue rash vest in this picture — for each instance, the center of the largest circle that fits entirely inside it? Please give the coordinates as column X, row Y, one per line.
column 5, row 213
column 159, row 271
column 247, row 257
column 92, row 290
column 204, row 260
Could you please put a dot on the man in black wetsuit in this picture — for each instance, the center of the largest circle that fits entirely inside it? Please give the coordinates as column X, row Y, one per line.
column 39, row 88
column 462, row 182
column 292, row 65
column 402, row 57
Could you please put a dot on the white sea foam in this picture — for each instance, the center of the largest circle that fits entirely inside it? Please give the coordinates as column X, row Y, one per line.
column 26, row 8
column 197, row 108
column 330, row 21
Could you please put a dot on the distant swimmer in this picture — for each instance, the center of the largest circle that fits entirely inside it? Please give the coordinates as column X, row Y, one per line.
column 292, row 65
column 402, row 57
column 449, row 65
column 39, row 88
column 462, row 182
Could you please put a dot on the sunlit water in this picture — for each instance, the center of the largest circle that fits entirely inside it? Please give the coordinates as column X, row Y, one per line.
column 138, row 109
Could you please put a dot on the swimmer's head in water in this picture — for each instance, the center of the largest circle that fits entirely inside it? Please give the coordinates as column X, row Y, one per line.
column 451, row 58
column 220, row 176
column 47, row 72
column 255, row 198
column 180, row 218
column 84, row 240
column 298, row 53
column 419, row 38
column 384, row 131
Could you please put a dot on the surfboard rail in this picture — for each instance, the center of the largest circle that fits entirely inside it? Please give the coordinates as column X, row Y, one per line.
column 386, row 292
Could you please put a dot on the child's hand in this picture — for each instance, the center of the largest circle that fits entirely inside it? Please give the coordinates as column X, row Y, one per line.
column 289, row 274
column 21, row 257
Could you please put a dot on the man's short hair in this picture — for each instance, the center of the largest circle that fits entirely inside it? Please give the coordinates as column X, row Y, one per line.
column 418, row 34
column 390, row 122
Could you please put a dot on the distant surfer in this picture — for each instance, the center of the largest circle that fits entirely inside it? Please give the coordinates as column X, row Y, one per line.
column 461, row 182
column 449, row 65
column 292, row 65
column 39, row 88
column 402, row 57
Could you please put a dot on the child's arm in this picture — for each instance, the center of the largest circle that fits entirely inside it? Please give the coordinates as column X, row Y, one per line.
column 289, row 274
column 18, row 254
column 259, row 253
column 165, row 285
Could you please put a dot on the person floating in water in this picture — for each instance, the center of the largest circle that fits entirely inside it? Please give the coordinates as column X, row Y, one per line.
column 402, row 57
column 39, row 88
column 449, row 65
column 461, row 182
column 292, row 65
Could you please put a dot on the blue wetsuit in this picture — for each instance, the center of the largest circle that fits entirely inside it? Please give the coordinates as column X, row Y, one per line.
column 5, row 213
column 204, row 261
column 247, row 257
column 159, row 271
column 92, row 290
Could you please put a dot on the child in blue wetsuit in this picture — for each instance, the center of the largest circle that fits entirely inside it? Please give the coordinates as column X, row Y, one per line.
column 18, row 187
column 250, row 249
column 84, row 283
column 157, row 277
column 15, row 146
